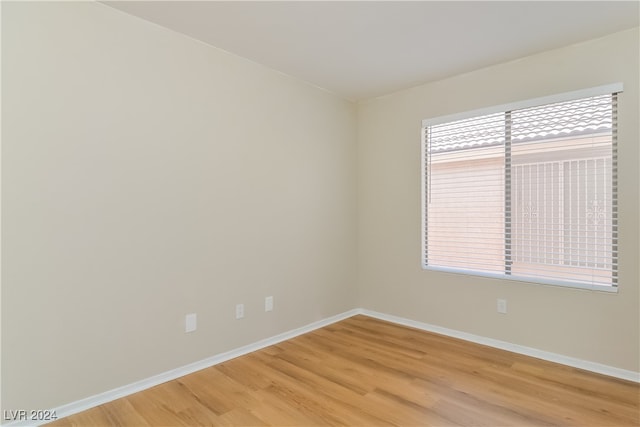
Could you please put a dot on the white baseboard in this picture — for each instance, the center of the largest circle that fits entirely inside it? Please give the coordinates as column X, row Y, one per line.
column 515, row 348
column 108, row 396
column 117, row 393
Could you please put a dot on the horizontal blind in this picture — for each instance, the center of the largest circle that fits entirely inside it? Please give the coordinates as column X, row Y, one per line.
column 527, row 193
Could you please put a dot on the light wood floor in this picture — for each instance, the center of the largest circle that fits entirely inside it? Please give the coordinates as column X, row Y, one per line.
column 366, row 372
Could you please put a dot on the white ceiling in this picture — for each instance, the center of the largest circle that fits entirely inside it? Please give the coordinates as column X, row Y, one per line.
column 362, row 49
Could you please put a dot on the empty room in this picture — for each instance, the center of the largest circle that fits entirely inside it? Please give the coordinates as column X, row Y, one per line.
column 307, row 213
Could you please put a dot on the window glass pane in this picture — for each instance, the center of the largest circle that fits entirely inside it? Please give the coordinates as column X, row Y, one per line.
column 465, row 209
column 561, row 210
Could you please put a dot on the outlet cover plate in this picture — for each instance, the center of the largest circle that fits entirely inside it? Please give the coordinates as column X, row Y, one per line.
column 190, row 322
column 239, row 311
column 502, row 306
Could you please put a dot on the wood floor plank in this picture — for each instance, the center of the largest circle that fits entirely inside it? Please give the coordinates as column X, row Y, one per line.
column 368, row 372
column 285, row 412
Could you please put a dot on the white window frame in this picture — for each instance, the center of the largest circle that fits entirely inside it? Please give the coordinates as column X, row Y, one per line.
column 562, row 97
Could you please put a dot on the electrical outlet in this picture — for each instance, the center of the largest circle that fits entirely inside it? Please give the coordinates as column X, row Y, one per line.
column 268, row 304
column 190, row 322
column 502, row 306
column 239, row 311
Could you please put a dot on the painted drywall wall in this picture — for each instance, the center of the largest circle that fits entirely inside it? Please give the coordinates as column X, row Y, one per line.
column 593, row 326
column 146, row 175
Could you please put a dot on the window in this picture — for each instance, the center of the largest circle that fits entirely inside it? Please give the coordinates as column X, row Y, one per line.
column 526, row 192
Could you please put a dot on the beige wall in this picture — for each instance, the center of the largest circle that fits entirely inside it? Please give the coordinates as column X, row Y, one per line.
column 597, row 327
column 146, row 176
